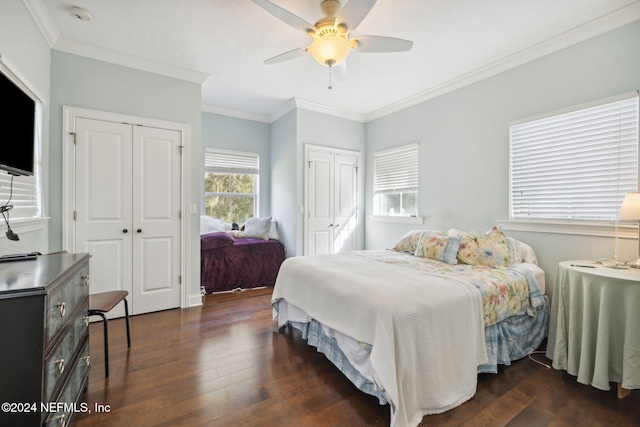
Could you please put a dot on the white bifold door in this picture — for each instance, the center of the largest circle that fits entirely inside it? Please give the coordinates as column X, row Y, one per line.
column 332, row 201
column 127, row 211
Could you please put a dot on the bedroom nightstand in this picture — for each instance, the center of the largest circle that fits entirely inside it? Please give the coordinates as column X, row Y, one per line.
column 594, row 331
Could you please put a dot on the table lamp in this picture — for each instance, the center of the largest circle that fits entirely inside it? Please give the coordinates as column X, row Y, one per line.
column 630, row 209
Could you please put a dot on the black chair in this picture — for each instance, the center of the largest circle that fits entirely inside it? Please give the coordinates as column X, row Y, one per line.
column 102, row 303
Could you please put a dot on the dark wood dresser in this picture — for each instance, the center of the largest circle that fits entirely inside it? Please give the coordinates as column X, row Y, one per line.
column 44, row 336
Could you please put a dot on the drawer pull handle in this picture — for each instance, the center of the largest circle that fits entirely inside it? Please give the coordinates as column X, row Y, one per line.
column 86, row 280
column 61, row 418
column 87, row 360
column 60, row 365
column 62, row 308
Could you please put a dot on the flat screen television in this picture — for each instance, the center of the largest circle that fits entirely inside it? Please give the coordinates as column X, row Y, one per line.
column 17, row 124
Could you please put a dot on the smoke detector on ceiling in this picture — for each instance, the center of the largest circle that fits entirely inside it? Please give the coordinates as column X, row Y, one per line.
column 81, row 14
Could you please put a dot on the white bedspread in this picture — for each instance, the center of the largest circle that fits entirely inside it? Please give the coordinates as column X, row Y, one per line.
column 427, row 330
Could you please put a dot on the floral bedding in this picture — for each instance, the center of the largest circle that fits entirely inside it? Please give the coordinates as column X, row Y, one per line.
column 505, row 291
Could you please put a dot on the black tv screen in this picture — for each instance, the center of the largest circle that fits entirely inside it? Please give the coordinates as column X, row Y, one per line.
column 17, row 124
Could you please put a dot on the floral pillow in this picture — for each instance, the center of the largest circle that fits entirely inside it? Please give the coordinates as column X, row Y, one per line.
column 409, row 243
column 490, row 249
column 439, row 247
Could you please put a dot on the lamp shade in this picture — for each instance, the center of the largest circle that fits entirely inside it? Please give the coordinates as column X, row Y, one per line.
column 330, row 48
column 630, row 208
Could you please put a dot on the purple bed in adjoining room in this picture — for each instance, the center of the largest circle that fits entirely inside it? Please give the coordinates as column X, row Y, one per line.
column 235, row 259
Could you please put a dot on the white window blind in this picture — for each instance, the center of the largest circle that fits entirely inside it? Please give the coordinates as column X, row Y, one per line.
column 396, row 170
column 577, row 165
column 24, row 197
column 226, row 161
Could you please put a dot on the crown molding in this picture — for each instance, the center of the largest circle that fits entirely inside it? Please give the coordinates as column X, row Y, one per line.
column 43, row 21
column 609, row 22
column 303, row 104
column 289, row 105
column 213, row 109
column 131, row 61
column 318, row 108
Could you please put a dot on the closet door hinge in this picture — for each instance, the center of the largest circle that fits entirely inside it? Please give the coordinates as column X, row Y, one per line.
column 356, row 168
column 309, row 164
column 75, row 215
column 75, row 137
column 180, row 279
column 180, row 147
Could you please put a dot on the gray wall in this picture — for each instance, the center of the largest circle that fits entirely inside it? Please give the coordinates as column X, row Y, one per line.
column 86, row 83
column 464, row 142
column 289, row 135
column 333, row 132
column 232, row 133
column 27, row 52
column 284, row 176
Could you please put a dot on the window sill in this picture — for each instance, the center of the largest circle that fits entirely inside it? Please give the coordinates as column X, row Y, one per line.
column 396, row 219
column 583, row 228
column 24, row 225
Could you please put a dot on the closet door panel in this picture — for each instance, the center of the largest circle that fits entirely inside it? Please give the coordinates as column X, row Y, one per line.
column 156, row 219
column 320, row 200
column 103, row 203
column 346, row 203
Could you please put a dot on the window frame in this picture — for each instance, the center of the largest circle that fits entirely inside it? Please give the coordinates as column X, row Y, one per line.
column 406, row 157
column 604, row 226
column 26, row 215
column 230, row 162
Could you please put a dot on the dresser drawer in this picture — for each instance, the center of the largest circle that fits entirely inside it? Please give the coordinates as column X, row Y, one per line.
column 63, row 300
column 68, row 398
column 61, row 357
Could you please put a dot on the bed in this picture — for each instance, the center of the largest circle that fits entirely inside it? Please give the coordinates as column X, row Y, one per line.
column 414, row 325
column 232, row 259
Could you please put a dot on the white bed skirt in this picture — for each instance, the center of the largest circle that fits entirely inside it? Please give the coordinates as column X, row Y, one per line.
column 512, row 339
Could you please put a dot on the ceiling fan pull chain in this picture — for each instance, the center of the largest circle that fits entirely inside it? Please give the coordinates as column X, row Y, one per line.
column 330, row 63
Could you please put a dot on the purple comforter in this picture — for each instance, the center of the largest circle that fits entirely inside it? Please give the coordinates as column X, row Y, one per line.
column 227, row 263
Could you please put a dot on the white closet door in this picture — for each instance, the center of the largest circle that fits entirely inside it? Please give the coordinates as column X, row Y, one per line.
column 128, row 211
column 332, row 201
column 156, row 219
column 320, row 203
column 345, row 203
column 103, row 203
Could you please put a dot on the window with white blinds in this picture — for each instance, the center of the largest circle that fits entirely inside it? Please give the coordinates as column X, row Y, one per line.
column 231, row 184
column 22, row 194
column 226, row 161
column 577, row 165
column 395, row 181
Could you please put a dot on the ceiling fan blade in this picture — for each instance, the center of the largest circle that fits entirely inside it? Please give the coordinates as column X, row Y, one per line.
column 292, row 54
column 379, row 44
column 285, row 16
column 340, row 71
column 354, row 12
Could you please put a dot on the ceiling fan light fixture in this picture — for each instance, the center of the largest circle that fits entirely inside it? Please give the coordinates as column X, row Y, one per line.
column 330, row 50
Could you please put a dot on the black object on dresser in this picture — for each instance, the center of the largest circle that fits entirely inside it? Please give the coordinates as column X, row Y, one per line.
column 44, row 358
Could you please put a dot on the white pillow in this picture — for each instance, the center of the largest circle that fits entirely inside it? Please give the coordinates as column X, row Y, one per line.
column 258, row 227
column 522, row 252
column 210, row 225
column 273, row 231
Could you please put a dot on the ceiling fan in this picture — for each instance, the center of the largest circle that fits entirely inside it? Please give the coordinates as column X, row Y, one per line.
column 331, row 41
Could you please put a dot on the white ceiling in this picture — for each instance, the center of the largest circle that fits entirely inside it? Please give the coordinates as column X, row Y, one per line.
column 223, row 43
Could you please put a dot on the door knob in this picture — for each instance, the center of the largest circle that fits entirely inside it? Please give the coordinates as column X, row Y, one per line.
column 125, row 231
column 139, row 230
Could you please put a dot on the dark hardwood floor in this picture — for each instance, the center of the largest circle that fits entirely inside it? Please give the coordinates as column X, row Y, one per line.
column 226, row 364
